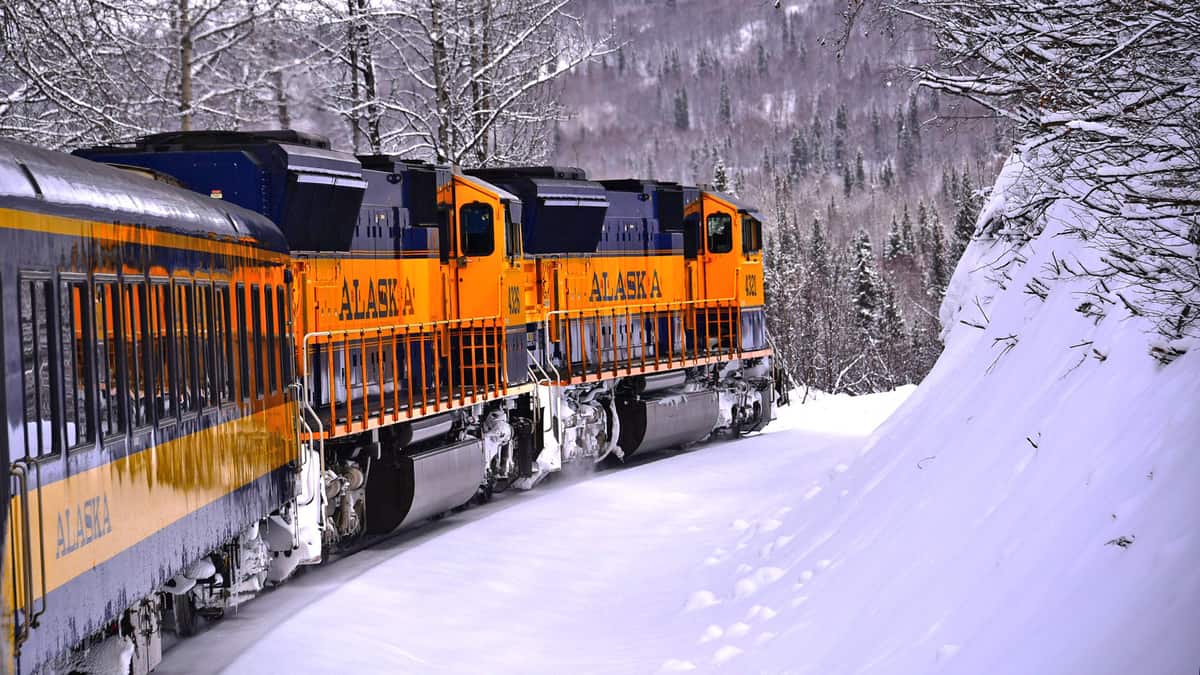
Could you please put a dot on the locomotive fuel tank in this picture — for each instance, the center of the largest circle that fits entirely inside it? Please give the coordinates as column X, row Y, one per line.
column 673, row 420
column 404, row 488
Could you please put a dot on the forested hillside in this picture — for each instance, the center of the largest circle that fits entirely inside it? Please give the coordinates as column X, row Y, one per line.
column 868, row 184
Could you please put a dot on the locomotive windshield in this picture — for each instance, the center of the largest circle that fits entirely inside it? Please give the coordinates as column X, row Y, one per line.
column 720, row 233
column 475, row 219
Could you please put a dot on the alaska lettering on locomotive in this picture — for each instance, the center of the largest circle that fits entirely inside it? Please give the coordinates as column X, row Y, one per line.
column 79, row 526
column 378, row 301
column 627, row 286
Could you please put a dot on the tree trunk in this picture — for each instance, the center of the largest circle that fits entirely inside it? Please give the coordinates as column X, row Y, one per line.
column 352, row 49
column 441, row 92
column 185, row 68
column 369, row 87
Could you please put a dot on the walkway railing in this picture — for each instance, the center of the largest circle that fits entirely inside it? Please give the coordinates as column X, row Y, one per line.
column 359, row 379
column 597, row 343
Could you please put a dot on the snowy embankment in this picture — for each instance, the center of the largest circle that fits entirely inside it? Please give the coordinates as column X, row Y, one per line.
column 1031, row 508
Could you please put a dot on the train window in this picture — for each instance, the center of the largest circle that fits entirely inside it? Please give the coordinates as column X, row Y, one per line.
column 512, row 229
column 256, row 317
column 133, row 302
column 162, row 350
column 78, row 416
column 720, row 233
column 108, row 341
column 271, row 338
column 184, row 311
column 35, row 303
column 284, row 357
column 475, row 221
column 751, row 235
column 205, row 370
column 224, row 334
column 243, row 351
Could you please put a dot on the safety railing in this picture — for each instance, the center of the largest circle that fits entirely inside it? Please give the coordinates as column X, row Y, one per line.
column 598, row 343
column 359, row 379
column 21, row 547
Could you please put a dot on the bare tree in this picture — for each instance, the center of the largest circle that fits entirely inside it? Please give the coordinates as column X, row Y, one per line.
column 1106, row 94
column 472, row 81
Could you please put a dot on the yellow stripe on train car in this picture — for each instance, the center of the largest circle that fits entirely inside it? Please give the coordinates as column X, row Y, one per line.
column 92, row 516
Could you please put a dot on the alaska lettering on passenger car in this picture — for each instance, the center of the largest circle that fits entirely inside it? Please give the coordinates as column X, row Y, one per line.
column 377, row 299
column 83, row 524
column 627, row 286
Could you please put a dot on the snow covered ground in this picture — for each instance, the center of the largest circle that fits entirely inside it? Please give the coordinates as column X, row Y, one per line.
column 694, row 558
column 1032, row 507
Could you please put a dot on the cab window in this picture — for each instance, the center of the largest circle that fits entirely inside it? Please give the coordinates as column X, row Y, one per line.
column 512, row 229
column 475, row 223
column 751, row 235
column 720, row 233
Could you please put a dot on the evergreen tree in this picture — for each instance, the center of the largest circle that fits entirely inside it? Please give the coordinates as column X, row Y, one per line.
column 841, row 119
column 860, row 175
column 876, row 131
column 864, row 283
column 886, row 175
column 798, row 160
column 847, row 180
column 924, row 240
column 621, row 60
column 894, row 246
column 893, row 336
column 725, row 107
column 964, row 218
column 937, row 272
column 720, row 179
column 682, row 118
column 762, row 60
column 908, row 241
column 914, row 121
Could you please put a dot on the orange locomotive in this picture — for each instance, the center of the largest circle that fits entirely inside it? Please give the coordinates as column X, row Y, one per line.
column 451, row 334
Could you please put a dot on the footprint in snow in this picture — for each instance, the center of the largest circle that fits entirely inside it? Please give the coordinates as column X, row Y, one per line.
column 799, row 600
column 737, row 630
column 700, row 600
column 812, row 492
column 740, row 525
column 761, row 612
column 726, row 653
column 762, row 576
column 770, row 525
column 782, row 511
column 713, row 632
column 783, row 540
column 764, row 638
column 676, row 666
column 841, row 468
column 743, row 569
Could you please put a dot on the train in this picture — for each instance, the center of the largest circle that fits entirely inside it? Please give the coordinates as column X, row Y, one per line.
column 230, row 355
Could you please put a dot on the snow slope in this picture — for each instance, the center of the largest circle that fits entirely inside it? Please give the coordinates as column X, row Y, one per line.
column 1031, row 508
column 622, row 571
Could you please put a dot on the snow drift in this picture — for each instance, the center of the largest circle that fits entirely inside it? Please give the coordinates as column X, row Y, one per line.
column 1032, row 508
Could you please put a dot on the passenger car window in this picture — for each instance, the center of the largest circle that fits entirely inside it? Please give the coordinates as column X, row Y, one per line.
column 720, row 233
column 475, row 222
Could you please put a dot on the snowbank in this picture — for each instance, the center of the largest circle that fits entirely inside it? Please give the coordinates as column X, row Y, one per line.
column 1032, row 508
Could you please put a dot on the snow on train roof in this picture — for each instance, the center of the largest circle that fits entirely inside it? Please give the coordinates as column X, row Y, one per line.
column 63, row 184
